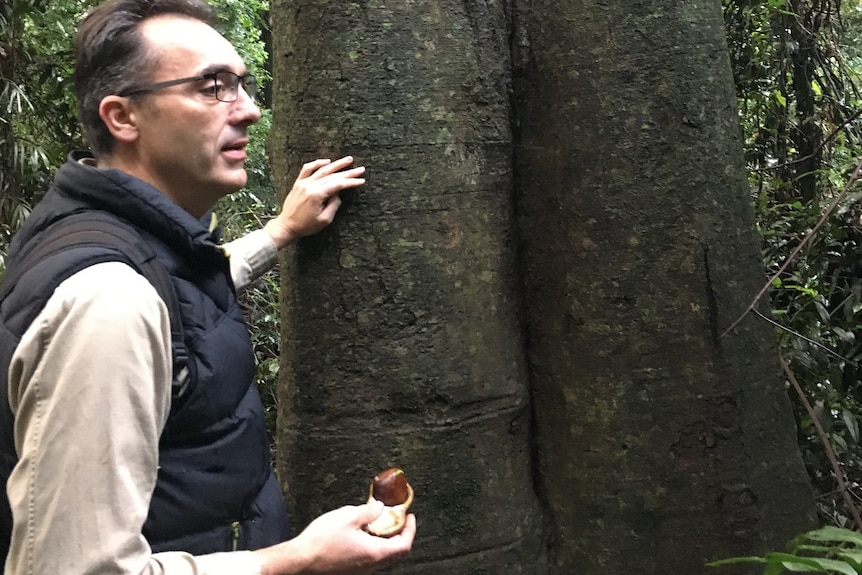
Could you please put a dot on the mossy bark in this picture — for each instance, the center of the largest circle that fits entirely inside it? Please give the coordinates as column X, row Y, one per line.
column 402, row 343
column 662, row 445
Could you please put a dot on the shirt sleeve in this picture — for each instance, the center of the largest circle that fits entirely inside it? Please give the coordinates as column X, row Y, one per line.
column 250, row 257
column 89, row 385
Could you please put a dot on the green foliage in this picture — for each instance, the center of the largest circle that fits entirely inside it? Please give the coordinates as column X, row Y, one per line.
column 796, row 64
column 239, row 214
column 243, row 23
column 825, row 550
column 37, row 117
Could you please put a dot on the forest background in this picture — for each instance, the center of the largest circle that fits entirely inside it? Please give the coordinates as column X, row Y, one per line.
column 796, row 65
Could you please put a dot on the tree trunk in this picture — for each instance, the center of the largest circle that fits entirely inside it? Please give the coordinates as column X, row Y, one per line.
column 803, row 29
column 402, row 342
column 662, row 443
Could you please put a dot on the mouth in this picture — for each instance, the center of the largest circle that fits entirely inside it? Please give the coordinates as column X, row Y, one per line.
column 235, row 150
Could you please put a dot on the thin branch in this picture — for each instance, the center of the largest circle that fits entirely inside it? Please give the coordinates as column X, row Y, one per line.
column 802, row 337
column 819, row 148
column 853, row 178
column 830, row 452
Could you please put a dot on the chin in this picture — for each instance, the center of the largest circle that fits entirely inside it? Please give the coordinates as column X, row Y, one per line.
column 231, row 184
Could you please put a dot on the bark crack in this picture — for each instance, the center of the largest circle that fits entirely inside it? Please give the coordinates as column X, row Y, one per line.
column 711, row 299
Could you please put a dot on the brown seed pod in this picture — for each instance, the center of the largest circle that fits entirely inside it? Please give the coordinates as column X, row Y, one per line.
column 391, row 488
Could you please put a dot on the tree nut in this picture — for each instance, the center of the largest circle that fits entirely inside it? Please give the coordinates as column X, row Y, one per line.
column 392, row 489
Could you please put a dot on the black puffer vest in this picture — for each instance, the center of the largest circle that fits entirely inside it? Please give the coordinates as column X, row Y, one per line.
column 215, row 489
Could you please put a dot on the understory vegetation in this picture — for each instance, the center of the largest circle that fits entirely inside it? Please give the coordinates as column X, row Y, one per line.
column 796, row 65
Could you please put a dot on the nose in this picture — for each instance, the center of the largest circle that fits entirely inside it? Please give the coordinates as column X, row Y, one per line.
column 244, row 109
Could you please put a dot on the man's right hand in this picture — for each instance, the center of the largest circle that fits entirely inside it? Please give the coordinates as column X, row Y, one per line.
column 335, row 543
column 312, row 202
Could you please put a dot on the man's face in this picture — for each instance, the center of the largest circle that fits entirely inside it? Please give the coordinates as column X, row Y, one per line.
column 190, row 144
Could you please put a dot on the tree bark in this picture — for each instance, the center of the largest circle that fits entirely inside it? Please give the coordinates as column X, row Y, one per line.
column 659, row 443
column 803, row 27
column 662, row 444
column 402, row 342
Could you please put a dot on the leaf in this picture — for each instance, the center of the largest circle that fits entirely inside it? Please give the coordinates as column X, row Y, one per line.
column 844, row 334
column 854, row 558
column 835, row 535
column 821, row 549
column 839, row 441
column 735, row 561
column 852, row 424
column 816, row 89
column 799, row 564
column 835, row 566
column 792, row 562
column 822, row 312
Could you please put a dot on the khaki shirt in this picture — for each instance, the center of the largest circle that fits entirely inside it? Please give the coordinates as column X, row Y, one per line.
column 90, row 388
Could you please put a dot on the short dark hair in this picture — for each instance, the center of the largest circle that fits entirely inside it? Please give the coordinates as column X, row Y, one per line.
column 110, row 55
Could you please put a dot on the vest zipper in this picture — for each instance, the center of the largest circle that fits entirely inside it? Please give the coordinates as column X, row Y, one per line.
column 235, row 527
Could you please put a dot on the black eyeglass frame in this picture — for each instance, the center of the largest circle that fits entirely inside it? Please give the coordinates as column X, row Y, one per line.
column 247, row 81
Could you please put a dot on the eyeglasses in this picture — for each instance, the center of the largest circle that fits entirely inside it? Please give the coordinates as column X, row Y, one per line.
column 225, row 86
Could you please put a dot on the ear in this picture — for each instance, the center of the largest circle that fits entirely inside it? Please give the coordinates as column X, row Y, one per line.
column 119, row 116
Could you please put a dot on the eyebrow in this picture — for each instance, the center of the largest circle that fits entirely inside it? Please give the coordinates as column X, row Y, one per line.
column 216, row 68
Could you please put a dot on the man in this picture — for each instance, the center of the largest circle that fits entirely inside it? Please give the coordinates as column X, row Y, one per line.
column 117, row 469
